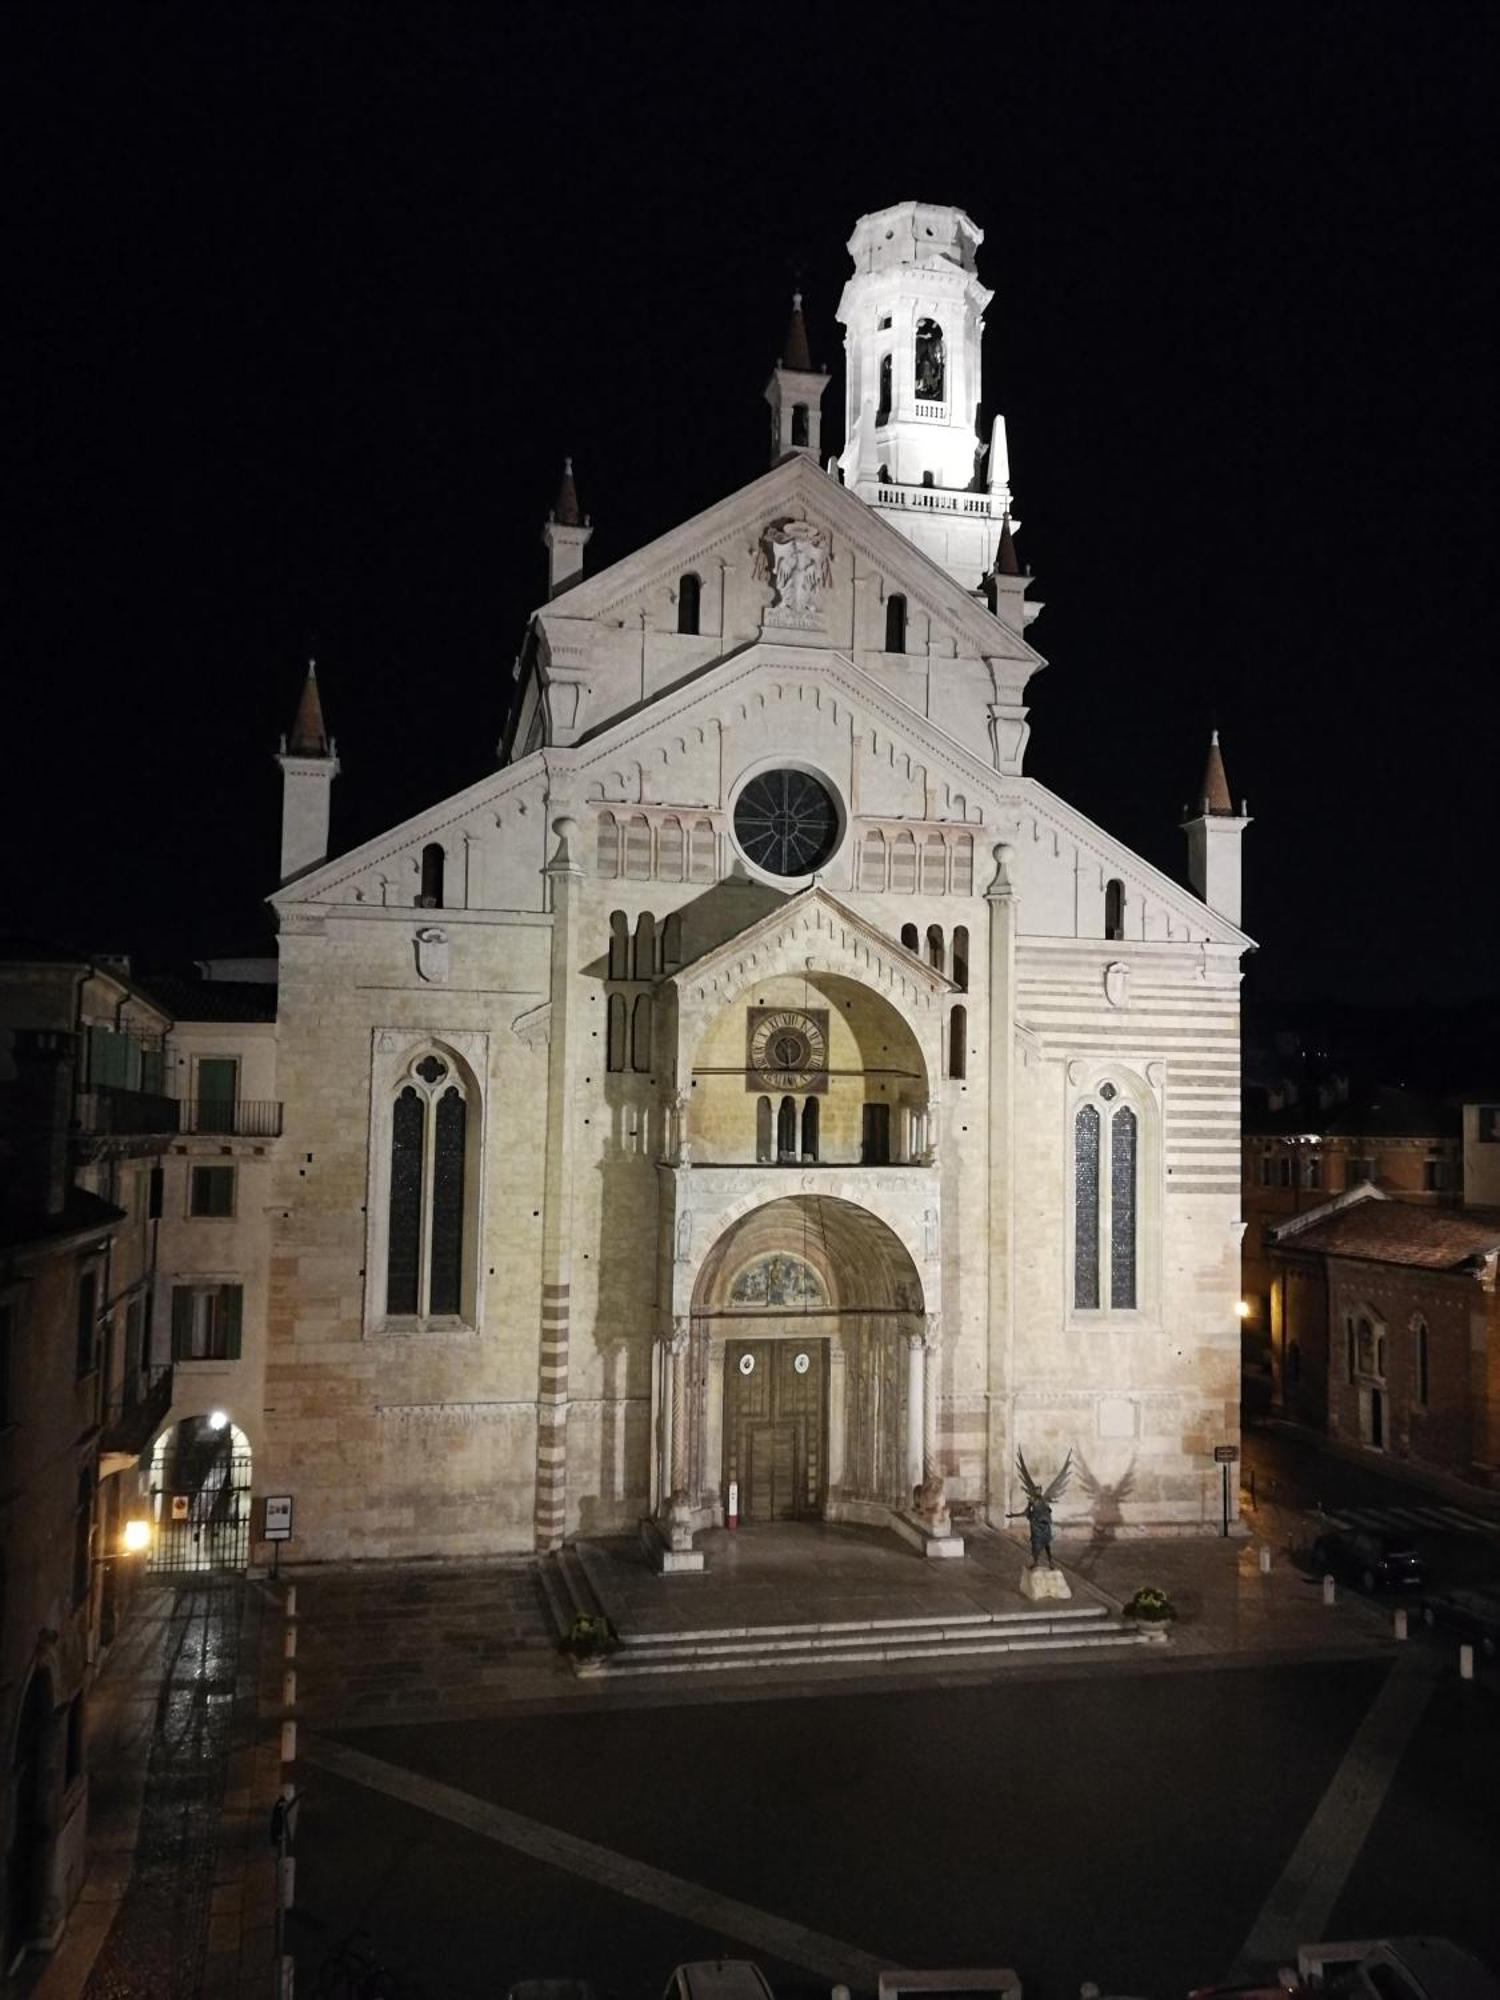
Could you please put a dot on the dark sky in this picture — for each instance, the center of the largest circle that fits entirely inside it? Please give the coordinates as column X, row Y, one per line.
column 305, row 304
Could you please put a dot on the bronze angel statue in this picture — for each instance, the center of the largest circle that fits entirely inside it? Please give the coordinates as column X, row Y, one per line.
column 1038, row 1509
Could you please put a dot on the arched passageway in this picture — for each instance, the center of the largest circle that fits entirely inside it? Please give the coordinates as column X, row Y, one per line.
column 32, row 1819
column 801, row 1387
column 200, row 1496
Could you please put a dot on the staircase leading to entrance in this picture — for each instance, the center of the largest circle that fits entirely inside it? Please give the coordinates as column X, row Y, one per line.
column 575, row 1581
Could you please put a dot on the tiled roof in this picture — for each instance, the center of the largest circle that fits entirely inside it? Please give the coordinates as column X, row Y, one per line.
column 1396, row 1232
column 1213, row 793
column 309, row 735
column 215, row 999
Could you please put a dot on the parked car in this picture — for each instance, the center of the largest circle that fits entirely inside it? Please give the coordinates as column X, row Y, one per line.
column 1413, row 1968
column 1473, row 1614
column 1373, row 1561
column 718, row 1979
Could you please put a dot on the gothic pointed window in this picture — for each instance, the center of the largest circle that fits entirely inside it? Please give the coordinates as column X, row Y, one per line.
column 931, row 371
column 689, row 593
column 883, row 414
column 429, row 1225
column 1122, row 1151
column 1086, row 1209
column 895, row 623
column 1106, row 1203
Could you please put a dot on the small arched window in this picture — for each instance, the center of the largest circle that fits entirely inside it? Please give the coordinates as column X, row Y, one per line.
column 608, row 859
column 786, row 1129
column 429, row 1233
column 1114, row 909
column 895, row 624
column 911, row 938
column 931, row 368
column 614, row 1058
column 958, row 1042
column 619, row 945
column 765, row 1138
column 689, row 592
column 883, row 414
column 640, row 1035
column 433, row 859
column 799, row 423
column 644, row 962
column 810, row 1129
column 961, row 957
column 935, row 952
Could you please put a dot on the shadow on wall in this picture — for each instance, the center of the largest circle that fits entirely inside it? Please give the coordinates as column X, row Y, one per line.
column 1106, row 1510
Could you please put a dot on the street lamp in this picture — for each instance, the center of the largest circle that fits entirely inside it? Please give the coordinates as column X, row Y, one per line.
column 135, row 1538
column 1242, row 1308
column 217, row 1419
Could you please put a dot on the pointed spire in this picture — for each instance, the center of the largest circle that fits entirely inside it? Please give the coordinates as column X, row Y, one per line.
column 1214, row 791
column 1006, row 561
column 795, row 352
column 309, row 736
column 565, row 511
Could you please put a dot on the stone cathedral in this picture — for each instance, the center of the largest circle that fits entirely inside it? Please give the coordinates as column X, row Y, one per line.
column 760, row 1098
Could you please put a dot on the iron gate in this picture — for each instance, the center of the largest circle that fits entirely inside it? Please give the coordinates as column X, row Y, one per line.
column 200, row 1504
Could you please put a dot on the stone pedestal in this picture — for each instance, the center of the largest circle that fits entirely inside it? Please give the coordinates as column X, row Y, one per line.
column 671, row 1554
column 1037, row 1584
column 934, row 1539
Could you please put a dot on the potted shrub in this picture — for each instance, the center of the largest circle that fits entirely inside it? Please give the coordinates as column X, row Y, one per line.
column 588, row 1637
column 1153, row 1610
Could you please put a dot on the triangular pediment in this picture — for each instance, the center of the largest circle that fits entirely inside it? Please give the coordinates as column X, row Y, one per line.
column 810, row 925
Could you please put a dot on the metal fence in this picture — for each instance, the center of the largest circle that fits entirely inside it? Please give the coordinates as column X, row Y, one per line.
column 201, row 1508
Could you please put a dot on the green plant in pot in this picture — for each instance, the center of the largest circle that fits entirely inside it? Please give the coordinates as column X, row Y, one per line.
column 1152, row 1607
column 588, row 1636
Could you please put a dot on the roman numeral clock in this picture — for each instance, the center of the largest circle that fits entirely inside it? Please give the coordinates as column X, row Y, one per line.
column 787, row 1049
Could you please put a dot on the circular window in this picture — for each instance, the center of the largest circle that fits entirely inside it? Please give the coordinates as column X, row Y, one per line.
column 802, row 1362
column 787, row 822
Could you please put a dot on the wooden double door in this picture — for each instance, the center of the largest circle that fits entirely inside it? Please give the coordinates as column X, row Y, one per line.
column 776, row 1427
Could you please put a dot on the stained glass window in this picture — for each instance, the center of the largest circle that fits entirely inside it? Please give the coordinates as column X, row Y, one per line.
column 408, row 1126
column 1122, row 1135
column 447, row 1203
column 1086, row 1209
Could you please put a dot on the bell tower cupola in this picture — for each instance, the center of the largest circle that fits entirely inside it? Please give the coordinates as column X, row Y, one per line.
column 795, row 393
column 913, row 315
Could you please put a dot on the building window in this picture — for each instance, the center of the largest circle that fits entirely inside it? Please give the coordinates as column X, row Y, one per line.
column 935, row 951
column 689, row 593
column 1286, row 1171
column 1419, row 1330
column 643, row 956
column 883, row 413
column 1313, row 1177
column 958, row 1043
column 875, row 1136
column 786, row 1129
column 911, row 939
column 810, row 1129
column 1106, row 1132
column 961, row 958
column 765, row 1137
column 84, row 1330
column 211, row 1191
column 1358, row 1172
column 433, row 860
column 1263, row 1170
column 429, row 1234
column 1114, row 909
column 206, row 1322
column 1434, row 1176
column 799, row 423
column 1368, row 1349
column 619, row 945
column 895, row 624
column 931, row 371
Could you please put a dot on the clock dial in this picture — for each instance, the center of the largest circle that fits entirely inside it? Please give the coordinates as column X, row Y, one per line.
column 788, row 1049
column 786, row 822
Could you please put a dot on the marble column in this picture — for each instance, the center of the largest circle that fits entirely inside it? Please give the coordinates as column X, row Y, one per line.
column 681, row 1386
column 916, row 1412
column 932, row 1340
column 838, row 1391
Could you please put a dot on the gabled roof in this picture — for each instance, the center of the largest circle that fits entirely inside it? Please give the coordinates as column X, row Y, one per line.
column 796, row 485
column 1397, row 1232
column 703, row 969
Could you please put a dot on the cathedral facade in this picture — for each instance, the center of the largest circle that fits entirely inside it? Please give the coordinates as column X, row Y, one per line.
column 760, row 1099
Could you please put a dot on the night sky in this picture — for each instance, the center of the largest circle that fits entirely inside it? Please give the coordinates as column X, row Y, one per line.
column 306, row 304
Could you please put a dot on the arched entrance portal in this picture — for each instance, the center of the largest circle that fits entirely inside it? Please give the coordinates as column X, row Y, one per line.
column 200, row 1496
column 807, row 1344
column 31, row 1834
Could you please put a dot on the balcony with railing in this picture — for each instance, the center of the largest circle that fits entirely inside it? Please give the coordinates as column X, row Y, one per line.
column 231, row 1117
column 134, row 1417
column 938, row 499
column 110, row 1110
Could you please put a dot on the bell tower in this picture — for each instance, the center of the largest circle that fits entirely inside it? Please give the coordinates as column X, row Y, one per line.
column 913, row 315
column 795, row 393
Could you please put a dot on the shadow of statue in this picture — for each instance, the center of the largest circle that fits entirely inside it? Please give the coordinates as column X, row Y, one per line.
column 1106, row 1509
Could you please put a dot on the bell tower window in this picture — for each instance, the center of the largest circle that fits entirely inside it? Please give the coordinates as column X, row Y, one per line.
column 433, row 858
column 883, row 413
column 895, row 624
column 689, row 593
column 931, row 368
column 799, row 424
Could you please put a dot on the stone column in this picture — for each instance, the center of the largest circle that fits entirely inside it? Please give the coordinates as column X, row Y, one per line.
column 916, row 1413
column 681, row 1387
column 564, row 878
column 838, row 1391
column 663, row 1440
column 1004, row 919
column 932, row 1340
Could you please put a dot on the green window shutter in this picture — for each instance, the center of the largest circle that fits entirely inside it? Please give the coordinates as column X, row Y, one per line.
column 182, row 1322
column 234, row 1297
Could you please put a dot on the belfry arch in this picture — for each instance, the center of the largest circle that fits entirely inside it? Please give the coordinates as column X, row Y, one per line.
column 797, row 1385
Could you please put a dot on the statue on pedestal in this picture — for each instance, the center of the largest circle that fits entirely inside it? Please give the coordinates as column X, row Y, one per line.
column 1038, row 1509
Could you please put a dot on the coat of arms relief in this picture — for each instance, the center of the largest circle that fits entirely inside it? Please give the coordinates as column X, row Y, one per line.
column 796, row 559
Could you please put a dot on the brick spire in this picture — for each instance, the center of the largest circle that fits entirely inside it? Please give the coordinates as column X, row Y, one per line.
column 309, row 736
column 565, row 510
column 1213, row 793
column 795, row 351
column 1006, row 561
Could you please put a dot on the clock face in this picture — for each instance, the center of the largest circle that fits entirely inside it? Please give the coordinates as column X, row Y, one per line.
column 786, row 822
column 788, row 1049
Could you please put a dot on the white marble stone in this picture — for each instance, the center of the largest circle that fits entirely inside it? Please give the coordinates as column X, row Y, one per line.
column 1040, row 1583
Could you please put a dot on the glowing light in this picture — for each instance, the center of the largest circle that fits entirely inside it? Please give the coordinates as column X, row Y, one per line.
column 136, row 1538
column 1242, row 1308
column 217, row 1419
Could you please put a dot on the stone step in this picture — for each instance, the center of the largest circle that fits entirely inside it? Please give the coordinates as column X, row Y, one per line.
column 870, row 1651
column 939, row 1624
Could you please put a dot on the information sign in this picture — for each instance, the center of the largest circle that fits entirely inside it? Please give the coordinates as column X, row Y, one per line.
column 1226, row 1454
column 278, row 1517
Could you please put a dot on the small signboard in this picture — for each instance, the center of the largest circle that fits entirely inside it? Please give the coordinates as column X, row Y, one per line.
column 1226, row 1454
column 278, row 1526
column 179, row 1506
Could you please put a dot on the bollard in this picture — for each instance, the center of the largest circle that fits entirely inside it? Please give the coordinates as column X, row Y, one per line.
column 288, row 1880
column 1401, row 1622
column 288, row 1742
column 1330, row 1590
column 289, row 1689
column 1466, row 1663
column 286, row 1972
column 289, row 1643
column 838, row 1993
column 1265, row 1562
column 291, row 1600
